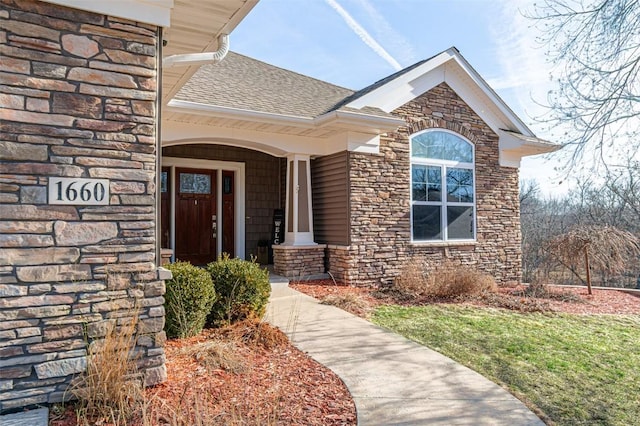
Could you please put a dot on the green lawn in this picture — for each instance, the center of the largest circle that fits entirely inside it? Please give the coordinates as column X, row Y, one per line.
column 576, row 369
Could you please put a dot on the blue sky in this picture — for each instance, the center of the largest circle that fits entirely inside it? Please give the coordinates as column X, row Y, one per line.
column 353, row 43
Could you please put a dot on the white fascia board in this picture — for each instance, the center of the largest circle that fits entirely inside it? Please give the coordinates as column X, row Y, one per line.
column 479, row 105
column 398, row 91
column 341, row 119
column 525, row 145
column 442, row 69
column 363, row 143
column 355, row 121
column 197, row 108
column 155, row 12
column 353, row 141
column 515, row 146
column 492, row 95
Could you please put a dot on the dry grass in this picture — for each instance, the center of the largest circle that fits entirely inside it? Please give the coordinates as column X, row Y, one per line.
column 446, row 281
column 255, row 332
column 111, row 389
column 217, row 355
column 513, row 302
column 539, row 289
column 348, row 302
column 194, row 409
column 413, row 280
column 452, row 280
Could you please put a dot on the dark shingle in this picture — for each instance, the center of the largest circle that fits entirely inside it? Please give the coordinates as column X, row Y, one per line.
column 245, row 83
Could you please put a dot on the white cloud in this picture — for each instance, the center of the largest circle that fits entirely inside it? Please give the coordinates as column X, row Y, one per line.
column 364, row 35
column 524, row 66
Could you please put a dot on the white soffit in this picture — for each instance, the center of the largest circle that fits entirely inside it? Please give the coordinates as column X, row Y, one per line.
column 155, row 12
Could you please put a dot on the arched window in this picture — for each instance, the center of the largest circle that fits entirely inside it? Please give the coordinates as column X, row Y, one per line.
column 442, row 187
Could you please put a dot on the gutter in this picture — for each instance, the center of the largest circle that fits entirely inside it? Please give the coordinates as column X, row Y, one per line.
column 189, row 59
column 340, row 118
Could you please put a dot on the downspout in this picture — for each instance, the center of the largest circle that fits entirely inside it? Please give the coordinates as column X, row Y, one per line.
column 189, row 59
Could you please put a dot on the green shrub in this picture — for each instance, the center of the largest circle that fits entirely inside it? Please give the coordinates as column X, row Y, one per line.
column 243, row 288
column 188, row 300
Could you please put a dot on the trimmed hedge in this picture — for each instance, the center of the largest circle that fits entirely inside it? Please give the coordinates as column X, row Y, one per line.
column 243, row 288
column 188, row 300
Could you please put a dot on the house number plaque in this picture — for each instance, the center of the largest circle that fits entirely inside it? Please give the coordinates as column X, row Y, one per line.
column 79, row 192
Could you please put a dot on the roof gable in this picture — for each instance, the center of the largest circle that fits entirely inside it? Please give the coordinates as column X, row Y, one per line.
column 447, row 67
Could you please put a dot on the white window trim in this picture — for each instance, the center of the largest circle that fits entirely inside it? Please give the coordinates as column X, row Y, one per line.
column 444, row 165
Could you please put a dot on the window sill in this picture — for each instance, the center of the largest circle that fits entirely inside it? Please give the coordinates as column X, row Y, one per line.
column 443, row 243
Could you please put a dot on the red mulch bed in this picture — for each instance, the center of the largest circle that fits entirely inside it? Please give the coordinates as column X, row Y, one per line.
column 276, row 386
column 572, row 300
column 281, row 385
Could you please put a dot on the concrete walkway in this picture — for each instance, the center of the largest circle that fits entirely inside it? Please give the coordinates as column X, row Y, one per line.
column 393, row 381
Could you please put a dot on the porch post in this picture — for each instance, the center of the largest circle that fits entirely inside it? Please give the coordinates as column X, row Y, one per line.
column 298, row 213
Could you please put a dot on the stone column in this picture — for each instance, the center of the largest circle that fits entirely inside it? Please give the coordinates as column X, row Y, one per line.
column 78, row 107
column 299, row 256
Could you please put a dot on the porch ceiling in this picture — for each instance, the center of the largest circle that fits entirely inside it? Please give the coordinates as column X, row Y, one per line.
column 195, row 27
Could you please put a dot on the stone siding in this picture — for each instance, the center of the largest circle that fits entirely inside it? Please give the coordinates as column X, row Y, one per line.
column 77, row 99
column 380, row 200
column 342, row 263
column 298, row 262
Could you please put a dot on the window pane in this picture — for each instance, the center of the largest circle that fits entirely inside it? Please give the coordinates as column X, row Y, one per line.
column 194, row 183
column 426, row 223
column 434, row 181
column 441, row 146
column 418, row 174
column 459, row 185
column 427, row 183
column 419, row 192
column 163, row 181
column 460, row 223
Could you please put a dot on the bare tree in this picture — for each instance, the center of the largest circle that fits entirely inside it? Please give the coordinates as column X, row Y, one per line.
column 596, row 46
column 541, row 220
column 605, row 247
column 613, row 202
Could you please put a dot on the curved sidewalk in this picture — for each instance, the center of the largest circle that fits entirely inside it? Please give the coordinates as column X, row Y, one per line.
column 392, row 380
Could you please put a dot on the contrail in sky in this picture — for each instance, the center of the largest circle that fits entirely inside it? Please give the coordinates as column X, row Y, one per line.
column 364, row 35
column 393, row 39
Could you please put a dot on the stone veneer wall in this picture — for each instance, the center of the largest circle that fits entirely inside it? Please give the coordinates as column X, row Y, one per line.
column 78, row 99
column 380, row 200
column 298, row 262
column 342, row 263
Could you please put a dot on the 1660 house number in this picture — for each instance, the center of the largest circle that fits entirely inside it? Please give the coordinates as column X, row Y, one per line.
column 78, row 191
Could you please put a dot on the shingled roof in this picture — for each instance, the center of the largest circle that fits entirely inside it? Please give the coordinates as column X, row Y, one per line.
column 245, row 83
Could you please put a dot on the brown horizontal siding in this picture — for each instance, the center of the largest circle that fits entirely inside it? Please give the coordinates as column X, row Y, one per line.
column 330, row 183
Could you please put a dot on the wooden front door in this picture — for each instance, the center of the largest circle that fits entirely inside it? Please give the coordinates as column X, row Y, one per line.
column 196, row 217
